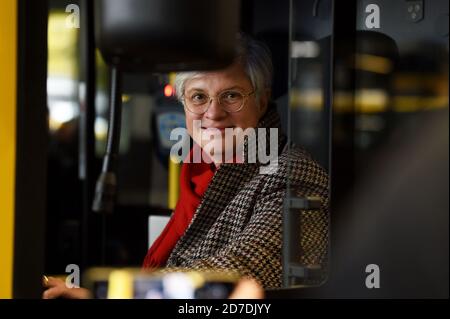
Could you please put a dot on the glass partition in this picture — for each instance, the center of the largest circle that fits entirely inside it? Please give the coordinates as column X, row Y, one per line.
column 306, row 230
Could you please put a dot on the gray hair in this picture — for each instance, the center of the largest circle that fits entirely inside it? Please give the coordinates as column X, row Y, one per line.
column 253, row 55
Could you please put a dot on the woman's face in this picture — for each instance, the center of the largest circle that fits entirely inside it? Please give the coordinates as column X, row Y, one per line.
column 212, row 84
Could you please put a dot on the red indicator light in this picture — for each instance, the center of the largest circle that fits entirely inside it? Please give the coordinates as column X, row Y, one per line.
column 168, row 90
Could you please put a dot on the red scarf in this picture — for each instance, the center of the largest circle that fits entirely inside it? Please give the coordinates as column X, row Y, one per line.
column 194, row 180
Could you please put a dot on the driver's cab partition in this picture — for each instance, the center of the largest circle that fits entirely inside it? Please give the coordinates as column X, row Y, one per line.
column 365, row 78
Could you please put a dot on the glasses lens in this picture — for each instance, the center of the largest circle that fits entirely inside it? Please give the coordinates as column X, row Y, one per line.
column 197, row 102
column 231, row 100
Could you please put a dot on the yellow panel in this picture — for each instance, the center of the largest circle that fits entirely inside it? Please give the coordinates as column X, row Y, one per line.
column 8, row 47
column 174, row 184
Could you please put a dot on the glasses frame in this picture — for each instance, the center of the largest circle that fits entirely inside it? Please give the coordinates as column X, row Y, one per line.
column 210, row 98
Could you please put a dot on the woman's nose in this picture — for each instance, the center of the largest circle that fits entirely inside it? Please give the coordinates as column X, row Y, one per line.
column 215, row 111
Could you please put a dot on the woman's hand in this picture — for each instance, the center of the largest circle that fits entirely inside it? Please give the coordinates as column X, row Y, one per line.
column 57, row 288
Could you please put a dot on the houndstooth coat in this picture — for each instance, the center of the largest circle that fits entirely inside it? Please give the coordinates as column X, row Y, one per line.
column 238, row 224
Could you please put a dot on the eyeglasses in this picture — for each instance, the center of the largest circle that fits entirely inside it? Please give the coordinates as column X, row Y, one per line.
column 230, row 101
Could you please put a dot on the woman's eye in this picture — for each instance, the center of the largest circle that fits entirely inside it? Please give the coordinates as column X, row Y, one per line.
column 198, row 97
column 231, row 95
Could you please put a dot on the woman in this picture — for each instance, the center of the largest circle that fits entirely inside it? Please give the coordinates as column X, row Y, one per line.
column 229, row 215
